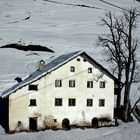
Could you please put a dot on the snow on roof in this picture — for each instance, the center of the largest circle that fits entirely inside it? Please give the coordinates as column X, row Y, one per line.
column 54, row 64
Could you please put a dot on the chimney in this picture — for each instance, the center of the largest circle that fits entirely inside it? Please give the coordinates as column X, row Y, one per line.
column 41, row 65
column 18, row 79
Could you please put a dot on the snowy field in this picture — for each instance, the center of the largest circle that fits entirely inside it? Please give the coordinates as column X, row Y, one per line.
column 63, row 26
column 129, row 131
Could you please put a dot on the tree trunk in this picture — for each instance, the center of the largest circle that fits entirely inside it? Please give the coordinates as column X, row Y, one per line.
column 119, row 97
column 127, row 102
column 119, row 89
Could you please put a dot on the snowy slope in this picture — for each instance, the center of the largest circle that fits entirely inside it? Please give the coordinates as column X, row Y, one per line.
column 129, row 131
column 59, row 24
column 62, row 25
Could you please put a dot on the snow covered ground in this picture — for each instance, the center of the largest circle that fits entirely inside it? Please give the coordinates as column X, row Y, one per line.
column 129, row 131
column 62, row 25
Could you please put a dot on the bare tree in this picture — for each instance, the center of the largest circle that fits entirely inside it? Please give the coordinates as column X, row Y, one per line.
column 120, row 46
column 112, row 43
column 135, row 105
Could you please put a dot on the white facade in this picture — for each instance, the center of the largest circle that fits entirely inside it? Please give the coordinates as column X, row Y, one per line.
column 47, row 114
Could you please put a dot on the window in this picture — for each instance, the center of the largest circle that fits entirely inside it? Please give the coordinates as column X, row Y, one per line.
column 72, row 69
column 78, row 59
column 102, row 84
column 89, row 84
column 32, row 102
column 58, row 83
column 58, row 101
column 89, row 70
column 89, row 102
column 71, row 83
column 55, row 120
column 101, row 102
column 72, row 102
column 33, row 87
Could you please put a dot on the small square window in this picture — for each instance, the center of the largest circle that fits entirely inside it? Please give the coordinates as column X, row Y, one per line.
column 55, row 120
column 89, row 70
column 89, row 84
column 89, row 102
column 71, row 83
column 72, row 69
column 102, row 84
column 78, row 59
column 58, row 101
column 58, row 83
column 101, row 102
column 72, row 102
column 32, row 102
column 33, row 87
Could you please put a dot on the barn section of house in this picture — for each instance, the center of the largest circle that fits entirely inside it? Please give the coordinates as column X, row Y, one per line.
column 72, row 89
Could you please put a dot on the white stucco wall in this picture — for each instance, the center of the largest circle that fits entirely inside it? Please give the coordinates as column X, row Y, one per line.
column 46, row 111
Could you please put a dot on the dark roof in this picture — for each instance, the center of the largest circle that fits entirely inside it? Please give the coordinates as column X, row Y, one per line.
column 51, row 66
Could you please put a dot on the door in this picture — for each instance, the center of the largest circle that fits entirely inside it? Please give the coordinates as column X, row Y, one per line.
column 66, row 124
column 95, row 122
column 32, row 124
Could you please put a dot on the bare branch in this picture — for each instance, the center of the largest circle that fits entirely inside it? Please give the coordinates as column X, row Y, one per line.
column 135, row 105
column 120, row 47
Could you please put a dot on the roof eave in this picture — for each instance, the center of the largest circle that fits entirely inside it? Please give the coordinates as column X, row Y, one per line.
column 4, row 95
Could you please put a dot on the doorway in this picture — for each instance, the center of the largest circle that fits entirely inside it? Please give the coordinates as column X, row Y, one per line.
column 33, row 124
column 66, row 124
column 95, row 122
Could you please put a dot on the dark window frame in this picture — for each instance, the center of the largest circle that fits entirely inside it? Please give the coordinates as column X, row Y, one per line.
column 58, row 83
column 89, row 102
column 72, row 83
column 78, row 59
column 33, row 102
column 102, row 84
column 89, row 84
column 58, row 101
column 101, row 102
column 55, row 120
column 89, row 70
column 72, row 69
column 33, row 87
column 72, row 102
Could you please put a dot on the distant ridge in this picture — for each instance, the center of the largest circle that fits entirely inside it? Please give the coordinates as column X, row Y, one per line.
column 27, row 47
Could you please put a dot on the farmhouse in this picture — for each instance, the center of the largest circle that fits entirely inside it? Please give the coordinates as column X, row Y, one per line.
column 71, row 90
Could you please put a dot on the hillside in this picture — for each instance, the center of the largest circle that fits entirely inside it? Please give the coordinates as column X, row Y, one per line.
column 60, row 25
